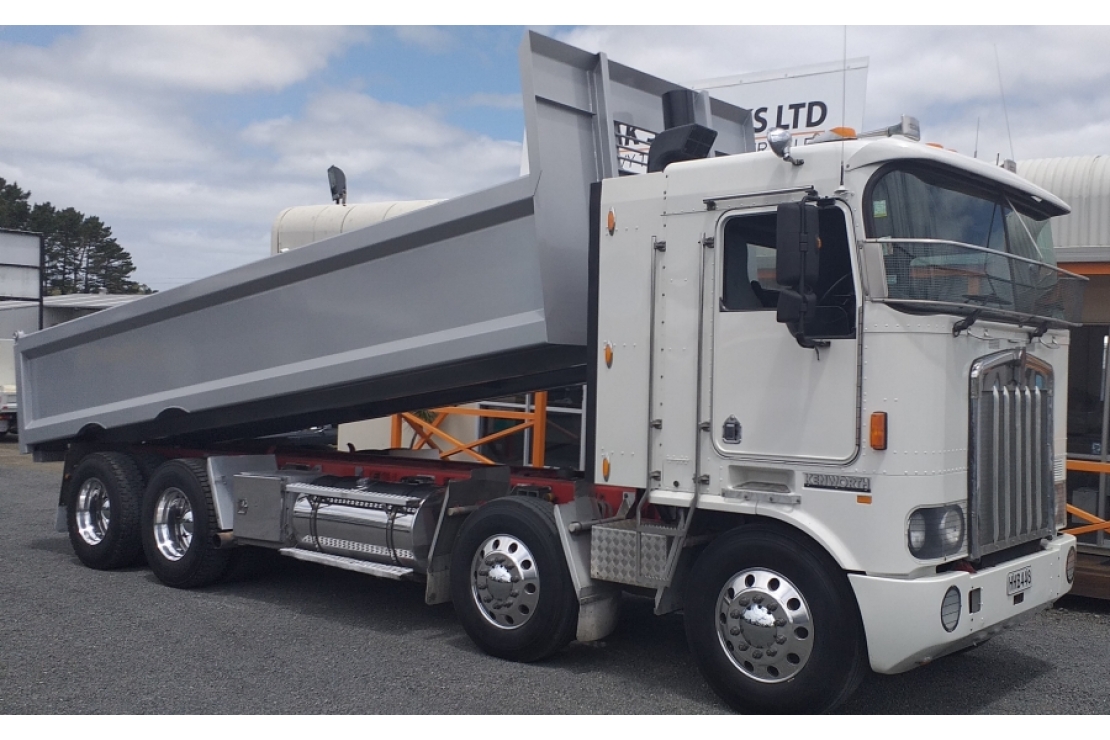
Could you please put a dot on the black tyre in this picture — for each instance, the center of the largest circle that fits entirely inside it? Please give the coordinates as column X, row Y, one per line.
column 147, row 463
column 773, row 625
column 509, row 581
column 178, row 522
column 102, row 511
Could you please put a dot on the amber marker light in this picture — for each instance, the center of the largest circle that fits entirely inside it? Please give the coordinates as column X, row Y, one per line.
column 878, row 430
column 605, row 467
column 608, row 355
column 611, row 222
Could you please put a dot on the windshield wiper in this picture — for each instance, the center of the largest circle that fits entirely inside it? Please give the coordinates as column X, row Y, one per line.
column 966, row 323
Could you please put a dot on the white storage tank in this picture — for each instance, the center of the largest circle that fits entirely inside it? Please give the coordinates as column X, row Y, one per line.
column 300, row 225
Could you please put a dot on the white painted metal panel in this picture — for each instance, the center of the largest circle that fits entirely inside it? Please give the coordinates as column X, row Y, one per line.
column 19, row 282
column 18, row 248
column 624, row 324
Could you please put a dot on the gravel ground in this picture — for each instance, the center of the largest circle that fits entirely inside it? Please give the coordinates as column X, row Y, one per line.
column 306, row 639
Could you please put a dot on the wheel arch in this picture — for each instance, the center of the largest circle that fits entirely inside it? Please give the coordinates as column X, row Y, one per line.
column 796, row 521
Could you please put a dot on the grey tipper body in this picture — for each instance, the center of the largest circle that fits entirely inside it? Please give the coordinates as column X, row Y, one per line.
column 477, row 296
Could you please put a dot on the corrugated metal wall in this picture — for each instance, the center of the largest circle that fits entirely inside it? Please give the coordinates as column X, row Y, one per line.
column 1084, row 183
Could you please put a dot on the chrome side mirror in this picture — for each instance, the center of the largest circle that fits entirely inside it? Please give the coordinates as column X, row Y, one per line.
column 779, row 139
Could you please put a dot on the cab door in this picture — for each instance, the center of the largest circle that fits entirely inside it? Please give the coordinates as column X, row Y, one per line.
column 770, row 398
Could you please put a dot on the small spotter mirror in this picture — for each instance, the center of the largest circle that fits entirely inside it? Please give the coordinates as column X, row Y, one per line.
column 779, row 139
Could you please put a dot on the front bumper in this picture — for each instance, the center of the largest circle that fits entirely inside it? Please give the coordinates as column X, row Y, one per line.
column 902, row 620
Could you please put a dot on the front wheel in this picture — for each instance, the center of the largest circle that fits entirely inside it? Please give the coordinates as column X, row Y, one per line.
column 178, row 523
column 773, row 624
column 509, row 580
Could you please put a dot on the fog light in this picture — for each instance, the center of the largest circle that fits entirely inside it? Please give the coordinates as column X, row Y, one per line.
column 1069, row 565
column 950, row 609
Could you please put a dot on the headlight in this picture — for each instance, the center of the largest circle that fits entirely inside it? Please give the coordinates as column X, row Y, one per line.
column 936, row 531
column 952, row 529
column 916, row 531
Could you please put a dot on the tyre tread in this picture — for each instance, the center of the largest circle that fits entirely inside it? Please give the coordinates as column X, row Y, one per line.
column 123, row 546
column 207, row 564
column 814, row 693
column 565, row 621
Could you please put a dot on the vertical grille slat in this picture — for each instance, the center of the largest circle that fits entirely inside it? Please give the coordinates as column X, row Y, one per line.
column 996, row 440
column 1010, row 492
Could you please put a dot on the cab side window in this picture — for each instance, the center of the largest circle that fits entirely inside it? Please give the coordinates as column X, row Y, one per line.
column 749, row 283
column 749, row 269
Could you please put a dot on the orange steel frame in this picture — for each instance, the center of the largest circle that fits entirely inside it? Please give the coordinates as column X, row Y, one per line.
column 428, row 432
column 1094, row 524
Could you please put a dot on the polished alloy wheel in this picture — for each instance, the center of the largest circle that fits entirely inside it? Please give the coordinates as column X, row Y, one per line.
column 93, row 511
column 505, row 582
column 765, row 625
column 173, row 524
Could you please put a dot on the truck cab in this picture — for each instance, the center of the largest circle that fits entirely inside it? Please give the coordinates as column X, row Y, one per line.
column 887, row 410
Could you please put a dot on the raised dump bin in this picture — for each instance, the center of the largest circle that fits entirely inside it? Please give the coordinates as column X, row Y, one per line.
column 473, row 297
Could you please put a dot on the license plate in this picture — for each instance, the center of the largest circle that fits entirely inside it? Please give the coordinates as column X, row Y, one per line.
column 1018, row 581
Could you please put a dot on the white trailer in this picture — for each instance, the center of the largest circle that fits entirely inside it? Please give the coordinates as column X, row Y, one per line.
column 822, row 395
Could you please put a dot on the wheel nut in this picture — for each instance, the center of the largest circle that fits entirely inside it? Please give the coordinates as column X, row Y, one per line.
column 757, row 654
column 487, row 599
column 772, row 607
column 735, row 613
column 781, row 639
column 742, row 647
column 744, row 601
column 757, row 599
column 483, row 572
column 780, row 622
column 514, row 579
column 771, row 652
column 482, row 587
column 734, row 631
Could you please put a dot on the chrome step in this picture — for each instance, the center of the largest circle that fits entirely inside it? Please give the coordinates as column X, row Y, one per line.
column 395, row 572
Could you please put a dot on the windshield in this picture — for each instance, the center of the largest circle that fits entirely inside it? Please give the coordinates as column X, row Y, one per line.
column 953, row 244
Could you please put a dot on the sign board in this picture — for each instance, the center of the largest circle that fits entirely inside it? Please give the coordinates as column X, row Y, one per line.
column 21, row 269
column 804, row 100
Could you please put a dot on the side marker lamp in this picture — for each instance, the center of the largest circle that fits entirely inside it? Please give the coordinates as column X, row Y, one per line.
column 878, row 430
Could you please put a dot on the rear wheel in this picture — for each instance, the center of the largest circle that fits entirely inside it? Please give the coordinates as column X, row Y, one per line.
column 102, row 511
column 773, row 625
column 178, row 523
column 509, row 581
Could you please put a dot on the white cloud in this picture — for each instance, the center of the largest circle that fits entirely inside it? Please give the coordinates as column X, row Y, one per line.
column 116, row 121
column 171, row 59
column 1056, row 79
column 388, row 150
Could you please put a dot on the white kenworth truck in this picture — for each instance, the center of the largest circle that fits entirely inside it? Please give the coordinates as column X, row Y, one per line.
column 826, row 395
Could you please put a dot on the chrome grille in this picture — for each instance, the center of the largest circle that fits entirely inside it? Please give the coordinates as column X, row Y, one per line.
column 1010, row 496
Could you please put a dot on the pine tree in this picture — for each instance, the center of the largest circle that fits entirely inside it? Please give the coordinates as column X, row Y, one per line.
column 81, row 256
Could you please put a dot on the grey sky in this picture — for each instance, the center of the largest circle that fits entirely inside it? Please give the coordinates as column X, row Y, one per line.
column 189, row 141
